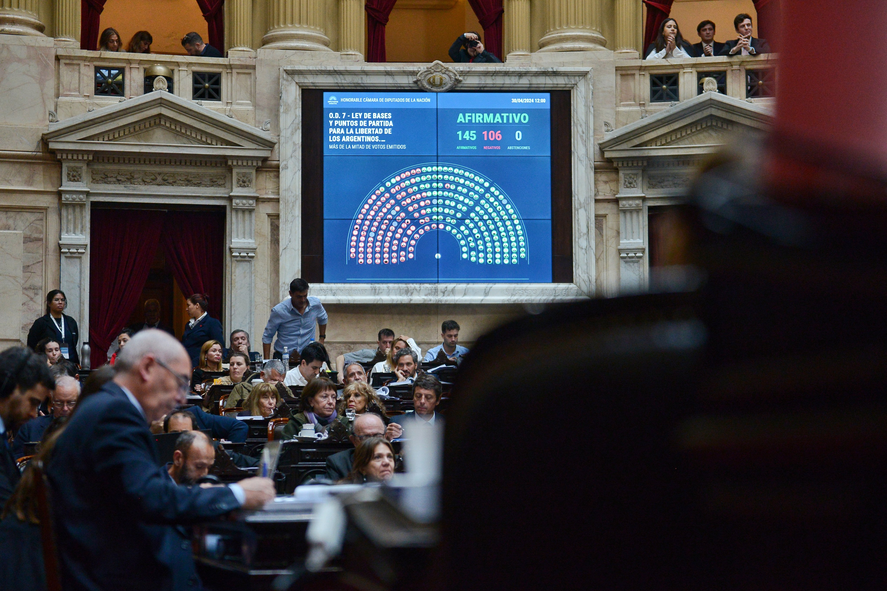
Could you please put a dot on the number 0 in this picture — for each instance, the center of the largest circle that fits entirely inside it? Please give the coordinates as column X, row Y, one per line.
column 518, row 135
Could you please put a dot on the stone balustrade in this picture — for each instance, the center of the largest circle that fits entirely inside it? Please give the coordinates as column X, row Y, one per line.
column 88, row 80
column 644, row 88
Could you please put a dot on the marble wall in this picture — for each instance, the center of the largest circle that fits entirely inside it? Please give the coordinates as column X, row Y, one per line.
column 11, row 282
column 31, row 226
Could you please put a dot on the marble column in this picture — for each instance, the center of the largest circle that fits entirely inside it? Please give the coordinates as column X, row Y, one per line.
column 240, row 16
column 352, row 29
column 67, row 21
column 517, row 28
column 296, row 24
column 74, row 239
column 19, row 17
column 632, row 229
column 239, row 296
column 573, row 25
column 629, row 33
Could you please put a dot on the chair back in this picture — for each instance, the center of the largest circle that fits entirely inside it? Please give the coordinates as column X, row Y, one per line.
column 231, row 412
column 217, row 408
column 22, row 462
column 47, row 534
column 275, row 428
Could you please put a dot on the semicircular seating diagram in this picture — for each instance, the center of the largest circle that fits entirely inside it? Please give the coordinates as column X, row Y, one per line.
column 437, row 196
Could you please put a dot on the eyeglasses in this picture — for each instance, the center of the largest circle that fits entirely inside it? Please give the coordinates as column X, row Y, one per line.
column 64, row 403
column 184, row 382
column 368, row 435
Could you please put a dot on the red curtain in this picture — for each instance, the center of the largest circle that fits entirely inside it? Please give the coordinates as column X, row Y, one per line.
column 215, row 18
column 90, row 11
column 121, row 251
column 489, row 14
column 657, row 12
column 769, row 21
column 193, row 243
column 377, row 17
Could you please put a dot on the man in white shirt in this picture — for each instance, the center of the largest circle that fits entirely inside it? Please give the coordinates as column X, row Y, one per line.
column 309, row 367
column 450, row 351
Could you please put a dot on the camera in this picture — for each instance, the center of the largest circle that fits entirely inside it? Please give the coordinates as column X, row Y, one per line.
column 472, row 43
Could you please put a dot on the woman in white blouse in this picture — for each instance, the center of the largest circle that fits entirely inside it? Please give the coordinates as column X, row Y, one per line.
column 669, row 42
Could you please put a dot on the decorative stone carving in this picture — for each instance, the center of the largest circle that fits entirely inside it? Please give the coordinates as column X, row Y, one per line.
column 158, row 179
column 630, row 180
column 75, row 174
column 631, row 255
column 241, row 254
column 73, row 197
column 438, row 78
column 244, row 203
column 244, row 180
column 668, row 181
column 631, row 203
column 709, row 84
column 73, row 250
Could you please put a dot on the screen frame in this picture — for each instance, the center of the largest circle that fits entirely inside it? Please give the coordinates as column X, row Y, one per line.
column 301, row 203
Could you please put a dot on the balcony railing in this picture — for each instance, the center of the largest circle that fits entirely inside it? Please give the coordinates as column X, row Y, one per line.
column 92, row 79
column 645, row 87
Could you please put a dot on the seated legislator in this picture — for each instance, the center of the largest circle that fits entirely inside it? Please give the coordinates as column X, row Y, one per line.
column 62, row 402
column 192, row 458
column 406, row 365
column 373, row 356
column 373, row 462
column 366, row 425
column 272, row 373
column 449, row 352
column 182, row 420
column 210, row 361
column 238, row 365
column 708, row 47
column 115, row 510
column 264, row 401
column 745, row 44
column 25, row 383
column 426, row 396
column 240, row 344
column 123, row 338
column 669, row 43
column 312, row 361
column 387, row 366
column 318, row 402
column 359, row 398
column 354, row 372
column 201, row 328
column 50, row 350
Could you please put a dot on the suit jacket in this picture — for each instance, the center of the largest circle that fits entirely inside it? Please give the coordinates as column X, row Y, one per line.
column 339, row 464
column 718, row 48
column 208, row 329
column 9, row 474
column 222, row 427
column 29, row 433
column 760, row 46
column 115, row 508
column 410, row 420
column 45, row 327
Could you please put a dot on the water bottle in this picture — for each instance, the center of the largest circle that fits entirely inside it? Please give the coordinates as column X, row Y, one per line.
column 84, row 356
column 286, row 357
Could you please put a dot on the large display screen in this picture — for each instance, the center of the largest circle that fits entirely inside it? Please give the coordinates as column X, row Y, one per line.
column 449, row 188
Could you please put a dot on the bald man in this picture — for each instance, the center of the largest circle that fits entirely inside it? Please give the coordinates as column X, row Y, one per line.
column 107, row 488
column 62, row 402
column 193, row 456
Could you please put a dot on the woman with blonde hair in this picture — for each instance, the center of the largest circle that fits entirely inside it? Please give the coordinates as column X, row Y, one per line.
column 263, row 401
column 210, row 361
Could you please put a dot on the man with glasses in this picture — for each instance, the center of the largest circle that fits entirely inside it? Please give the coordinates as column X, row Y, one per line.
column 115, row 510
column 367, row 425
column 62, row 402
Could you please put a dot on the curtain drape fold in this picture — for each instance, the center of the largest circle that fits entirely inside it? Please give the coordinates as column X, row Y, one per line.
column 215, row 19
column 769, row 20
column 657, row 12
column 489, row 14
column 120, row 254
column 90, row 13
column 378, row 12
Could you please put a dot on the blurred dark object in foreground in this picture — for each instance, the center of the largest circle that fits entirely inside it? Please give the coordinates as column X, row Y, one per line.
column 729, row 434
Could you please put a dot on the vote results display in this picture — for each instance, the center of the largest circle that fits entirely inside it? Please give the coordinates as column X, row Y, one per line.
column 449, row 188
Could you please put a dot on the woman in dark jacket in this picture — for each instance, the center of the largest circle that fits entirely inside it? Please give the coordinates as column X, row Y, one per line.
column 57, row 326
column 200, row 328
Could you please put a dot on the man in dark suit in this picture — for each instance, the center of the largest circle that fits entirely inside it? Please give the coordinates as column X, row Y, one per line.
column 114, row 507
column 25, row 383
column 426, row 396
column 152, row 318
column 746, row 44
column 366, row 425
column 708, row 47
column 62, row 403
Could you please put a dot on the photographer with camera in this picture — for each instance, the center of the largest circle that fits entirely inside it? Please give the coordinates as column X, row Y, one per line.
column 468, row 49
